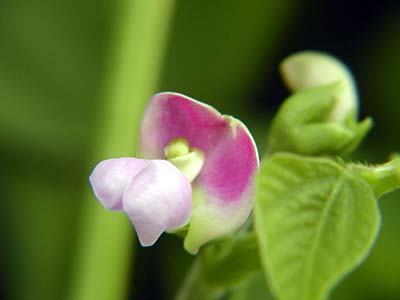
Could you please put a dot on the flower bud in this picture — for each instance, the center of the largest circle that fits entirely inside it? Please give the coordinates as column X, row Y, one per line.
column 320, row 117
column 309, row 69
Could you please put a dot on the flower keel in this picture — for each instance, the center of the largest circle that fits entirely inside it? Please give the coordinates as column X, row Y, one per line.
column 155, row 195
column 158, row 200
column 110, row 178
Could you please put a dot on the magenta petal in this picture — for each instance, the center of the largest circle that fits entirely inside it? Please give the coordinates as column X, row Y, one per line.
column 170, row 115
column 158, row 199
column 230, row 153
column 229, row 169
column 224, row 188
column 110, row 178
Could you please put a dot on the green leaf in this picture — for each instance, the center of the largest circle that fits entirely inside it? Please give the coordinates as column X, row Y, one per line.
column 315, row 222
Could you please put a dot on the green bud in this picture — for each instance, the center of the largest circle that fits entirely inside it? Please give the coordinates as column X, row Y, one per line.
column 309, row 69
column 303, row 124
column 320, row 117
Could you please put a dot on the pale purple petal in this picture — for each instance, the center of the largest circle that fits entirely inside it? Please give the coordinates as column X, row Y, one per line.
column 110, row 178
column 158, row 199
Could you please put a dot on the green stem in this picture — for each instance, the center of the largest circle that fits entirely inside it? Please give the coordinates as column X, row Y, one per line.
column 104, row 249
column 193, row 287
column 196, row 287
column 383, row 179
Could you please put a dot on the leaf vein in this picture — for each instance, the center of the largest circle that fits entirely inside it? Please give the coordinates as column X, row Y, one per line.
column 321, row 223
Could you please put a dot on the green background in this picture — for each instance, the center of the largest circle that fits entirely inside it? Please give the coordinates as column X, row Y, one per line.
column 55, row 59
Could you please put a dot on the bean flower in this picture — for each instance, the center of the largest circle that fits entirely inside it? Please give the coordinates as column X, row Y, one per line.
column 194, row 175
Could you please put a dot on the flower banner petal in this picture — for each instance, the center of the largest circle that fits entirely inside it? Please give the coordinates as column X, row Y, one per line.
column 229, row 169
column 231, row 156
column 224, row 186
column 170, row 115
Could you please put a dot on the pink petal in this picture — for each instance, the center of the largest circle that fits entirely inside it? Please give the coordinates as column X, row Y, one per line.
column 225, row 141
column 222, row 196
column 110, row 178
column 158, row 199
column 171, row 115
column 225, row 188
column 229, row 169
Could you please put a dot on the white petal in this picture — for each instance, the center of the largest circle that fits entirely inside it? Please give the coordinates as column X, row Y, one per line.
column 111, row 177
column 158, row 199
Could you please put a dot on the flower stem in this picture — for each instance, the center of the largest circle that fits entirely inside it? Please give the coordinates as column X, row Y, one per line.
column 103, row 255
column 193, row 287
column 383, row 178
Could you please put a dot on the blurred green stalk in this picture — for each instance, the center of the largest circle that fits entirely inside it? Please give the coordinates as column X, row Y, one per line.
column 104, row 250
column 193, row 287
